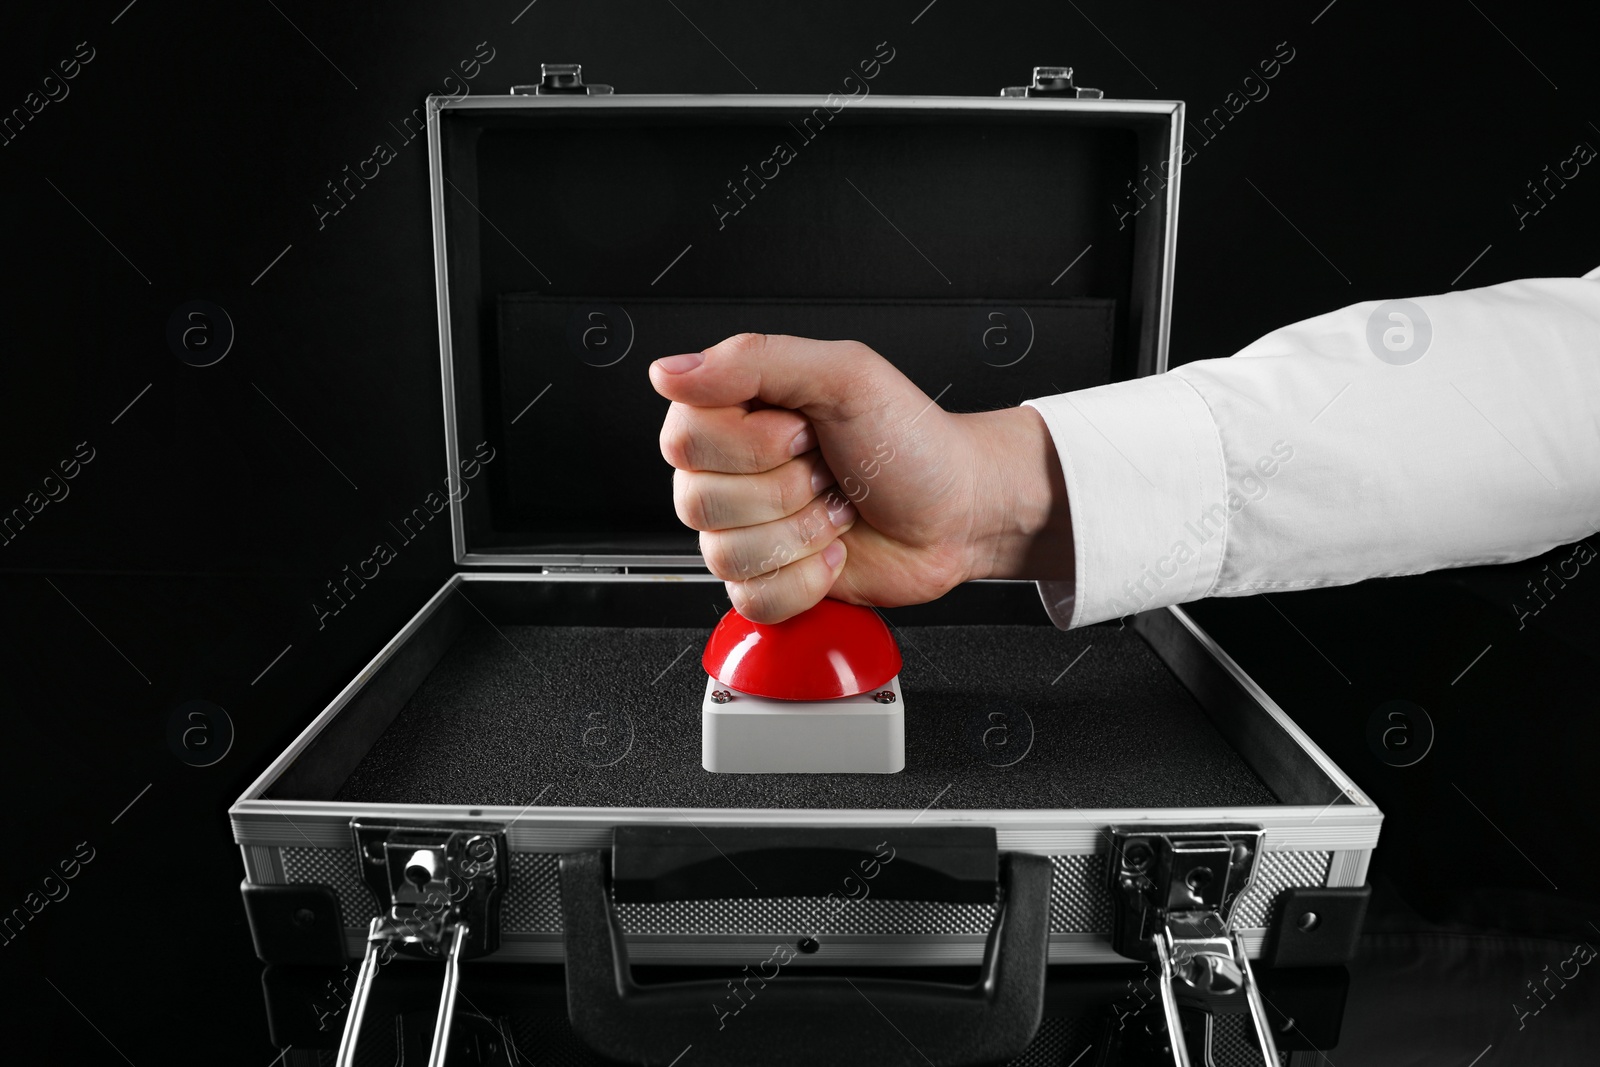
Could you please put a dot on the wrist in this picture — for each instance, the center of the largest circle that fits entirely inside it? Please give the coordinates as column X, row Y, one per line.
column 1022, row 525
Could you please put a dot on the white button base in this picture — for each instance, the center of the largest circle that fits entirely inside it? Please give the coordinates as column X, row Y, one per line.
column 757, row 735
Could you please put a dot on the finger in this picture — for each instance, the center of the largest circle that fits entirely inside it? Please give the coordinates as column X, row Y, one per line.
column 826, row 379
column 750, row 551
column 732, row 440
column 713, row 501
column 785, row 594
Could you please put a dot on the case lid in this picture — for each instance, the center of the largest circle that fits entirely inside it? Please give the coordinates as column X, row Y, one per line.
column 994, row 249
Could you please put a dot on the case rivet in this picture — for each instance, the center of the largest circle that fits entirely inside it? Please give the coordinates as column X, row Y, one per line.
column 720, row 696
column 1308, row 922
column 884, row 697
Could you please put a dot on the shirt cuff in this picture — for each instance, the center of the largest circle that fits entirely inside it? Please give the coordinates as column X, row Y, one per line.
column 1145, row 482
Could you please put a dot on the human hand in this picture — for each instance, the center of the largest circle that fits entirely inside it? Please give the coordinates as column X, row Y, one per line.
column 815, row 468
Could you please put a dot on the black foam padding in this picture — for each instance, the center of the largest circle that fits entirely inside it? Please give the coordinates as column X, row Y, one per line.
column 610, row 717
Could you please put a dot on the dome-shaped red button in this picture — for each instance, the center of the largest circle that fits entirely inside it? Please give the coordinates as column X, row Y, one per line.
column 831, row 650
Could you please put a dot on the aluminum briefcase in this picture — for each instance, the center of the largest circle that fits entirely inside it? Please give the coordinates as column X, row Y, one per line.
column 515, row 775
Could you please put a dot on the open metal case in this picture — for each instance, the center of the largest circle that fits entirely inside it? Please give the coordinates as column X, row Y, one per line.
column 575, row 228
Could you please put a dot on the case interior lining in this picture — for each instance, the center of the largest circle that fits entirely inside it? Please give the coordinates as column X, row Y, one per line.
column 933, row 211
column 611, row 492
column 610, row 717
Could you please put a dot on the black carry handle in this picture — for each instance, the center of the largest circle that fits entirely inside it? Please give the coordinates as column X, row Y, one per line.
column 792, row 1018
column 948, row 864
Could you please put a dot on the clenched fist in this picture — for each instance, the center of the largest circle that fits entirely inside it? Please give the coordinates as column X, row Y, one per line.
column 815, row 468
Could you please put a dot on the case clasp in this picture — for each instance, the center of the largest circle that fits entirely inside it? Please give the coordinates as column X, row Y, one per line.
column 561, row 79
column 1052, row 81
column 439, row 887
column 1173, row 894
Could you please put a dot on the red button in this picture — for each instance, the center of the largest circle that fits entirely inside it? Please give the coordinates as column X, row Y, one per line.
column 831, row 650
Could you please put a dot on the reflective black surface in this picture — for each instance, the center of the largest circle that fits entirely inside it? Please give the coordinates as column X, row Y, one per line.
column 198, row 153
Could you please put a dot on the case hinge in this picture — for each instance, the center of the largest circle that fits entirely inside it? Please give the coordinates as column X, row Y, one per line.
column 1052, row 81
column 1173, row 893
column 439, row 887
column 561, row 79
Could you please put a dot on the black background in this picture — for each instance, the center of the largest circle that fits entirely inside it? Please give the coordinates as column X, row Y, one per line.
column 187, row 157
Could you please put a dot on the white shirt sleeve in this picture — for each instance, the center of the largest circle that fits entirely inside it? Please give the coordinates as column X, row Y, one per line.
column 1385, row 438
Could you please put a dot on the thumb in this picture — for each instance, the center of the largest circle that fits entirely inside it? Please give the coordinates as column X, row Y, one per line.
column 824, row 379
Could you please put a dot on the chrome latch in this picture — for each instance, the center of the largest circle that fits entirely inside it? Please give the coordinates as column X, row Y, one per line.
column 1052, row 81
column 1173, row 894
column 439, row 887
column 561, row 79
